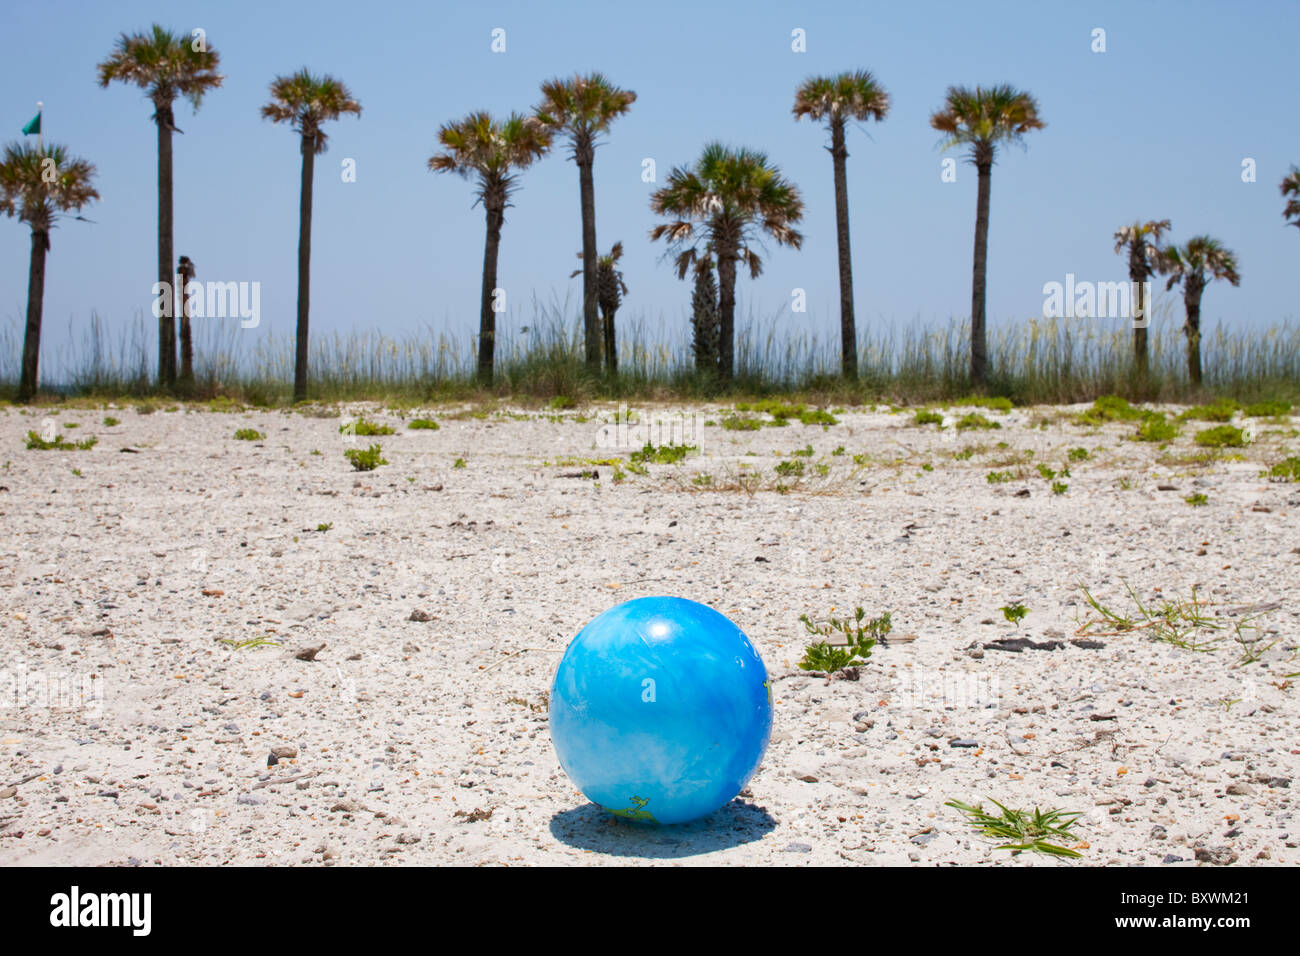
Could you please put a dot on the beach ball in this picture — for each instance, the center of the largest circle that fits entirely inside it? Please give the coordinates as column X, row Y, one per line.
column 661, row 710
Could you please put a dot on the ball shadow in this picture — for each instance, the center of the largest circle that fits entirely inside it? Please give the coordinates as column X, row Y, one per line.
column 589, row 827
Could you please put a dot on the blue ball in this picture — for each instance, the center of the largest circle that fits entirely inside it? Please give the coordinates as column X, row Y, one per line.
column 661, row 710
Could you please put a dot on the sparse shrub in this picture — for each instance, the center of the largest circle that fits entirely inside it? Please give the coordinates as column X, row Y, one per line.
column 1220, row 410
column 110, row 421
column 927, row 417
column 975, row 420
column 1197, row 500
column 1078, row 454
column 363, row 427
column 860, row 636
column 36, row 443
column 818, row 417
column 249, row 434
column 365, row 460
column 1155, row 428
column 1221, row 436
column 423, row 424
column 669, row 454
column 1108, row 408
column 997, row 403
column 741, row 423
column 1267, row 409
column 1286, row 470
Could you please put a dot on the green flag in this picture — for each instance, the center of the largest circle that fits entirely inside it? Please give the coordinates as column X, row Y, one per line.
column 34, row 127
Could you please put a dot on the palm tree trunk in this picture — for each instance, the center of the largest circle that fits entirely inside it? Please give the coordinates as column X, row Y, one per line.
column 611, row 347
column 978, row 339
column 35, row 303
column 1192, row 300
column 164, row 118
column 304, row 267
column 726, row 314
column 848, row 328
column 1140, row 363
column 590, row 319
column 187, row 340
column 487, row 322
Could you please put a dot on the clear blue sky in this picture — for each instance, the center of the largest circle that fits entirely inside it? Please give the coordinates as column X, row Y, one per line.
column 1156, row 127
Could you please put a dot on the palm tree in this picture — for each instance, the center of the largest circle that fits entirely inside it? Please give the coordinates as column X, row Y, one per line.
column 166, row 65
column 38, row 186
column 584, row 107
column 1291, row 192
column 723, row 204
column 837, row 99
column 305, row 102
column 490, row 152
column 1192, row 264
column 704, row 317
column 1142, row 240
column 610, row 289
column 982, row 119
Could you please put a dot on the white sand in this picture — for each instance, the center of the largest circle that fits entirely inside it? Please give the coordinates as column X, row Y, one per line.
column 400, row 725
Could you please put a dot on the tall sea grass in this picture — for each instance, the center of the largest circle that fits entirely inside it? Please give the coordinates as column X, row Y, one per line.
column 1034, row 361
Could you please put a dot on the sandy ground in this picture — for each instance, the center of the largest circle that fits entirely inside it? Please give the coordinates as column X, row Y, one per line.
column 133, row 730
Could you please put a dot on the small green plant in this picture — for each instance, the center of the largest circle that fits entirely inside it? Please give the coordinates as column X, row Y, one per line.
column 146, row 408
column 110, row 421
column 1267, row 409
column 997, row 403
column 423, row 424
column 1286, row 470
column 669, row 454
column 1014, row 612
column 975, row 420
column 1108, row 408
column 325, row 526
column 818, row 416
column 1078, row 454
column 742, row 423
column 839, row 450
column 788, row 469
column 77, row 472
column 927, row 417
column 365, row 460
column 805, row 452
column 1197, row 500
column 858, row 635
column 459, row 463
column 316, row 451
column 926, row 466
column 363, row 427
column 999, row 477
column 1155, row 428
column 1023, row 830
column 1221, row 436
column 561, row 403
column 36, row 443
column 250, row 643
column 249, row 434
column 1220, row 410
column 965, row 454
column 1046, row 473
